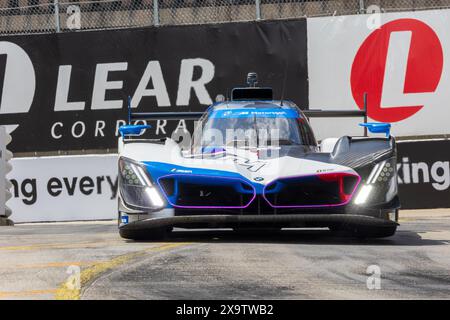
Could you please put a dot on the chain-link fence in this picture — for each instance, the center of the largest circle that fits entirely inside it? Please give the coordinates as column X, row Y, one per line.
column 38, row 16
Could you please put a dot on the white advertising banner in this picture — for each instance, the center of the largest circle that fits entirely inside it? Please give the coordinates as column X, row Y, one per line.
column 399, row 59
column 66, row 188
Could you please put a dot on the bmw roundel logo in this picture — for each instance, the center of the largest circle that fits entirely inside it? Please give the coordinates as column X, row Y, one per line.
column 258, row 179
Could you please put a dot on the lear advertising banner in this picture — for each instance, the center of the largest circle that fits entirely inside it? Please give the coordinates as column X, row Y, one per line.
column 401, row 60
column 68, row 188
column 68, row 91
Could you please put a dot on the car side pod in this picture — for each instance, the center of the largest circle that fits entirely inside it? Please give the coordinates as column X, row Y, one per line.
column 378, row 127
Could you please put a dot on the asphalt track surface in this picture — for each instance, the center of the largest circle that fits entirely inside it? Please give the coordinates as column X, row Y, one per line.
column 45, row 261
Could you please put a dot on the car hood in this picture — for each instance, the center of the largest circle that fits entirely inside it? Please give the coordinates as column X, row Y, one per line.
column 261, row 166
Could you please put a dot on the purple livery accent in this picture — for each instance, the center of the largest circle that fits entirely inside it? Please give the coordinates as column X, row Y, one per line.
column 313, row 206
column 208, row 177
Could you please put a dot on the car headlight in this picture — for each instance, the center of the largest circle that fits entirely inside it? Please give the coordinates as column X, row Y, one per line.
column 381, row 184
column 136, row 186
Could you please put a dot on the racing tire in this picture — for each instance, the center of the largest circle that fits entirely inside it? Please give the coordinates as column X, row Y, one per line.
column 142, row 235
column 366, row 232
column 6, row 222
column 363, row 232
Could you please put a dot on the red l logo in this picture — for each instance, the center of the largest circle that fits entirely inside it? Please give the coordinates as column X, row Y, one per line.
column 402, row 58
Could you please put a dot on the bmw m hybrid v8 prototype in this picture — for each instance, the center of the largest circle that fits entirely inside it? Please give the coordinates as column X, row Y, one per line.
column 254, row 163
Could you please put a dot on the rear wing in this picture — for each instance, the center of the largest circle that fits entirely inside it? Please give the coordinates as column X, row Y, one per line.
column 318, row 113
column 164, row 116
column 338, row 114
column 313, row 113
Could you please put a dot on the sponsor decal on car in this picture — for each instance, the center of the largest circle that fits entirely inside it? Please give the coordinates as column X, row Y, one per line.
column 124, row 219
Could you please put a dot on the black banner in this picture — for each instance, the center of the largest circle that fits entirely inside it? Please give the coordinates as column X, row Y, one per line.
column 424, row 174
column 68, row 91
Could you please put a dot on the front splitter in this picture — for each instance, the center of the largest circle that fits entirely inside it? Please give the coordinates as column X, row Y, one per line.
column 284, row 220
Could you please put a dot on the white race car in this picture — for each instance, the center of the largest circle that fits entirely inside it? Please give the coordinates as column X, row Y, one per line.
column 254, row 163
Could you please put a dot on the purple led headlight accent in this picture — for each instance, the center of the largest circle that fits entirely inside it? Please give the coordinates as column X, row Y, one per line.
column 311, row 206
column 206, row 176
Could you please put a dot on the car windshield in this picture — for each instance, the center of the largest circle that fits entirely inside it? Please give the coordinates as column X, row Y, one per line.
column 245, row 128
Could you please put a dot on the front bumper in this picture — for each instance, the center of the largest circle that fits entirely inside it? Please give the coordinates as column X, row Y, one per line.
column 261, row 221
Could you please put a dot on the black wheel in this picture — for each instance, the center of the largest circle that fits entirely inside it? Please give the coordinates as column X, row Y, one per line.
column 145, row 234
column 373, row 232
column 6, row 222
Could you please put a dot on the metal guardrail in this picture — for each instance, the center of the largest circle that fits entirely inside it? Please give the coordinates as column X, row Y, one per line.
column 48, row 16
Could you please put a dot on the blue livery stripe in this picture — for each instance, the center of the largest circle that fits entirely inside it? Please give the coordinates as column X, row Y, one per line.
column 255, row 112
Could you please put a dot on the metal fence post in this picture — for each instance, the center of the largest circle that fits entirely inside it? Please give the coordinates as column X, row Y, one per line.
column 258, row 9
column 57, row 24
column 362, row 7
column 155, row 13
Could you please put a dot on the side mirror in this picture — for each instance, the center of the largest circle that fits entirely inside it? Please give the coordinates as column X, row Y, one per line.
column 377, row 127
column 133, row 129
